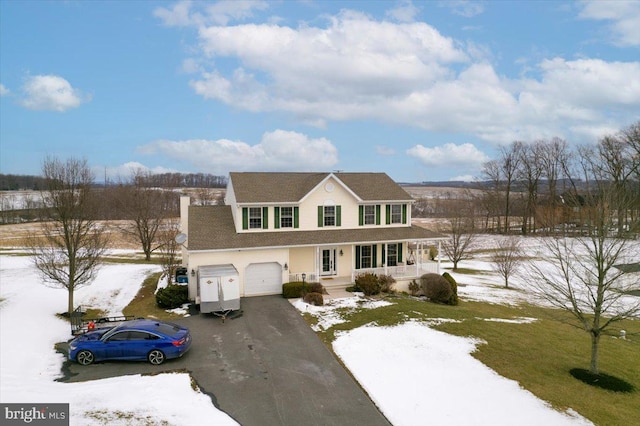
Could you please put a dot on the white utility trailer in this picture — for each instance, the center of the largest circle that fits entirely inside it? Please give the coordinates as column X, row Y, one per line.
column 218, row 289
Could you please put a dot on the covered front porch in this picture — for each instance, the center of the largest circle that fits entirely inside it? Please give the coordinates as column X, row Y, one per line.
column 338, row 266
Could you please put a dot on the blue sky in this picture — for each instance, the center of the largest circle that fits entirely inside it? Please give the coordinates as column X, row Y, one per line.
column 419, row 90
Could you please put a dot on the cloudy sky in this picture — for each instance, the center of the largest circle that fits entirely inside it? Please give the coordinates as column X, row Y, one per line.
column 419, row 90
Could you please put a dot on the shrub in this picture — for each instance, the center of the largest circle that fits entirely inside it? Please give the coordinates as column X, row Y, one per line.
column 436, row 288
column 386, row 283
column 316, row 288
column 453, row 300
column 433, row 252
column 314, row 298
column 368, row 283
column 172, row 296
column 414, row 288
column 294, row 289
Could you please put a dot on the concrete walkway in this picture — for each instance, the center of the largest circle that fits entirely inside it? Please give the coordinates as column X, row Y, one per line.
column 264, row 368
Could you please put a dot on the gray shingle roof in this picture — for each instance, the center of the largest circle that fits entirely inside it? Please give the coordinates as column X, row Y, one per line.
column 212, row 228
column 265, row 187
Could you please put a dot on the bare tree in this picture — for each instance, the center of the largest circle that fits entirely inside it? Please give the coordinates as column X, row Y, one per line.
column 462, row 233
column 579, row 275
column 554, row 160
column 529, row 173
column 70, row 247
column 169, row 248
column 509, row 164
column 507, row 259
column 145, row 208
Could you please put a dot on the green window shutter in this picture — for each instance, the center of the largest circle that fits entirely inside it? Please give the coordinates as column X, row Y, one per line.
column 399, row 252
column 276, row 217
column 384, row 254
column 320, row 216
column 245, row 218
column 265, row 218
column 357, row 257
column 361, row 215
column 296, row 217
column 388, row 211
column 374, row 255
column 338, row 220
column 404, row 213
column 377, row 214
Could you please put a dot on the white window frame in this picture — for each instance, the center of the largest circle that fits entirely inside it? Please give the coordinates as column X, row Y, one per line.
column 255, row 217
column 396, row 216
column 329, row 216
column 284, row 216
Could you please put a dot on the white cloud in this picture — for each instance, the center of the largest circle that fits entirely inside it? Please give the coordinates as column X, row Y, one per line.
column 50, row 93
column 463, row 178
column 624, row 18
column 3, row 90
column 357, row 68
column 126, row 170
column 182, row 14
column 279, row 150
column 406, row 11
column 449, row 155
column 465, row 8
column 385, row 150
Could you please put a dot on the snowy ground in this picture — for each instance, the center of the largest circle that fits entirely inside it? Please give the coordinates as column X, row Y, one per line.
column 29, row 364
column 412, row 364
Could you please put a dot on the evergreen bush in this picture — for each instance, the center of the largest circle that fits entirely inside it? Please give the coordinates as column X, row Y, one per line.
column 172, row 296
column 294, row 289
column 436, row 288
column 453, row 300
column 433, row 252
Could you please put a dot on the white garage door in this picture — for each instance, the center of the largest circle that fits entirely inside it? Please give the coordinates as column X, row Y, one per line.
column 263, row 278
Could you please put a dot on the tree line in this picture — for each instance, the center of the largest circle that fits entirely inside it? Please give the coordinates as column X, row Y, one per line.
column 549, row 186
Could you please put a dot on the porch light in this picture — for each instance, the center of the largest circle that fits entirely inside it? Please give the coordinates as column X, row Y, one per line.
column 341, row 253
column 193, row 272
column 304, row 276
column 286, row 267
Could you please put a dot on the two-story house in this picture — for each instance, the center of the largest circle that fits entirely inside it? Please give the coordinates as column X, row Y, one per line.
column 320, row 227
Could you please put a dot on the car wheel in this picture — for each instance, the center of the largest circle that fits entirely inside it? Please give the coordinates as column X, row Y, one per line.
column 85, row 357
column 156, row 357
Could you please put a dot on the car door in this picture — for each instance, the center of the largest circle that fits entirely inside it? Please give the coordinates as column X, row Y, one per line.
column 139, row 344
column 115, row 345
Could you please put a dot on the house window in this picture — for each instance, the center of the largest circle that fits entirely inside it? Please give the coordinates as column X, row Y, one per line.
column 366, row 256
column 369, row 215
column 392, row 255
column 396, row 213
column 255, row 217
column 329, row 215
column 286, row 217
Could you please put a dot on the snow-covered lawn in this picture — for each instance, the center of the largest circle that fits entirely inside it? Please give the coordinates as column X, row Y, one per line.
column 418, row 376
column 29, row 363
column 420, row 373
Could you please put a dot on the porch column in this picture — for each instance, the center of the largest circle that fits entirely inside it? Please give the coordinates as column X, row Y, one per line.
column 384, row 258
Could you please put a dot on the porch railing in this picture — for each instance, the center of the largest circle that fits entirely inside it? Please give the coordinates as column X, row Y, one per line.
column 397, row 272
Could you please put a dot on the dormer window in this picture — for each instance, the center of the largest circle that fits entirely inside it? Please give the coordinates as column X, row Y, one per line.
column 255, row 218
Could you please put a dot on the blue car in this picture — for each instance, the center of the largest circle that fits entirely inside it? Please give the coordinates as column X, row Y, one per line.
column 135, row 340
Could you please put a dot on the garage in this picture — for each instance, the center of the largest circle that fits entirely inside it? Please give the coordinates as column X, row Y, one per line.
column 263, row 278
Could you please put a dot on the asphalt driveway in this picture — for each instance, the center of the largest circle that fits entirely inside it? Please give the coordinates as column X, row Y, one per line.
column 266, row 367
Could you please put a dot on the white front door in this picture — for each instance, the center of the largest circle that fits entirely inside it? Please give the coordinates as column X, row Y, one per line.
column 328, row 261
